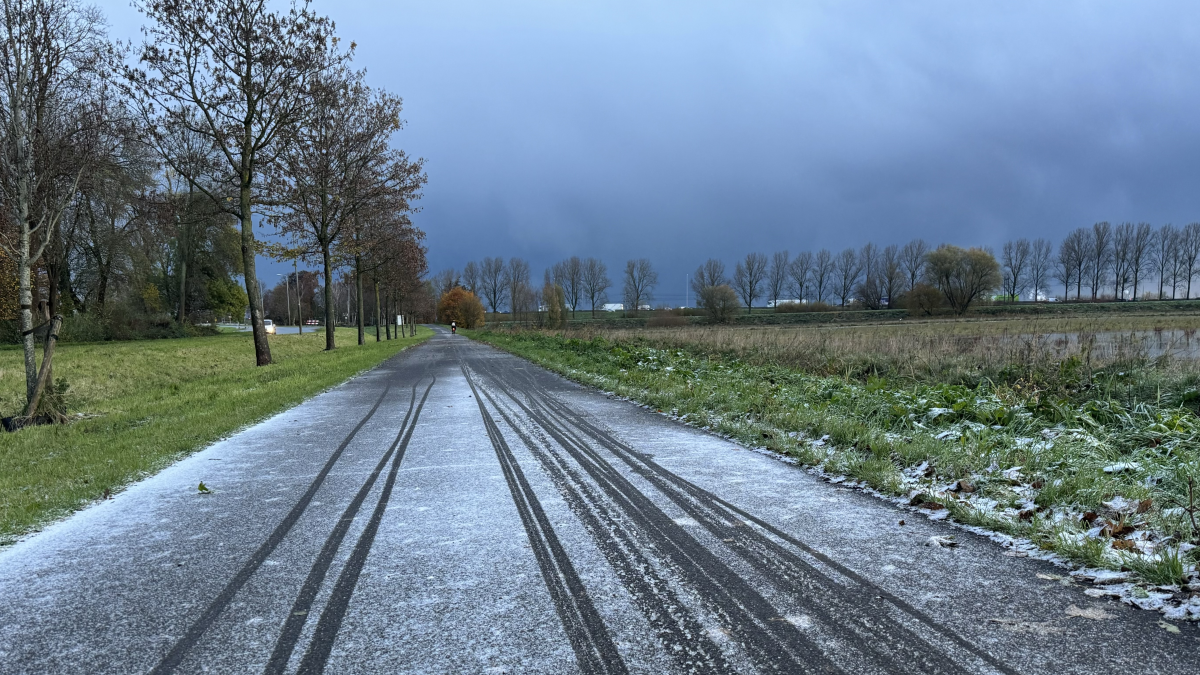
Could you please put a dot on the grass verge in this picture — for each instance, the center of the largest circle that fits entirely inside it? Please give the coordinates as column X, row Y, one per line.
column 1080, row 461
column 143, row 405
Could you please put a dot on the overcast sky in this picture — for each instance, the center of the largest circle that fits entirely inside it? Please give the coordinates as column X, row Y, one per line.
column 677, row 131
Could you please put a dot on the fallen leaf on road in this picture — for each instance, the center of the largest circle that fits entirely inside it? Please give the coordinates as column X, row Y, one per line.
column 203, row 489
column 1093, row 613
column 939, row 541
column 1049, row 577
column 1169, row 627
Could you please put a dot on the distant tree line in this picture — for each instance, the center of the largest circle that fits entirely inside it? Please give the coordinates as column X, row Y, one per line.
column 576, row 283
column 1103, row 262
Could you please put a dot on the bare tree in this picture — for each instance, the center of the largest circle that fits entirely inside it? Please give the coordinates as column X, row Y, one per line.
column 53, row 58
column 595, row 282
column 777, row 276
column 640, row 280
column 891, row 274
column 470, row 277
column 1122, row 249
column 1071, row 261
column 1099, row 255
column 236, row 72
column 516, row 277
column 748, row 278
column 706, row 276
column 912, row 259
column 848, row 268
column 1164, row 244
column 445, row 281
column 1190, row 251
column 491, row 282
column 1178, row 259
column 822, row 274
column 1015, row 263
column 868, row 260
column 800, row 272
column 339, row 160
column 1040, row 260
column 568, row 275
column 1140, row 253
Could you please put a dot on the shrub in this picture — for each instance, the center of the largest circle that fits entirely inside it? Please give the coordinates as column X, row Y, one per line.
column 923, row 299
column 963, row 276
column 556, row 305
column 461, row 306
column 721, row 302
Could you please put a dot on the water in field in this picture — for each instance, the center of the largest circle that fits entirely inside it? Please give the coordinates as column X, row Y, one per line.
column 1177, row 343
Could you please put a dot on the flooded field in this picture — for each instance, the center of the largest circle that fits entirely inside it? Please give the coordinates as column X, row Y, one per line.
column 1117, row 345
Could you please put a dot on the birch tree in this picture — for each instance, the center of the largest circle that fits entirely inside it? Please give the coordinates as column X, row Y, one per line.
column 53, row 60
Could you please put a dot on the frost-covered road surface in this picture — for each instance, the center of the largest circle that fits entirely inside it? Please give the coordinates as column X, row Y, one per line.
column 458, row 510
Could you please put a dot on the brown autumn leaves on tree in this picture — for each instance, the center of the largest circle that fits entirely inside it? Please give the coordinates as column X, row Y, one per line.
column 461, row 306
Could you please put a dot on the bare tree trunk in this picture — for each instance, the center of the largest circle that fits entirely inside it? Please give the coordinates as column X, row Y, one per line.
column 182, row 289
column 359, row 308
column 330, row 321
column 47, row 361
column 25, row 300
column 375, row 287
column 262, row 349
column 387, row 313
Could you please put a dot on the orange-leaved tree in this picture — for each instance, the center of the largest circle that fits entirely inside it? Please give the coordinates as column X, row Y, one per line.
column 460, row 305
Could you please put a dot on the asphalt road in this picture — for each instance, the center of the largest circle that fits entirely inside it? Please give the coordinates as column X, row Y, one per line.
column 458, row 510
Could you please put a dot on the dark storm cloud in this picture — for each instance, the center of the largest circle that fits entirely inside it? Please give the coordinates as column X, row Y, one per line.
column 685, row 130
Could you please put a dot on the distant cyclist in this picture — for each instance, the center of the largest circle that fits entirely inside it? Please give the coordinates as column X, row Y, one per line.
column 454, row 327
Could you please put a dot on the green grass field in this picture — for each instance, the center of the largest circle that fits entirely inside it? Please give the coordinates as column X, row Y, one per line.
column 143, row 405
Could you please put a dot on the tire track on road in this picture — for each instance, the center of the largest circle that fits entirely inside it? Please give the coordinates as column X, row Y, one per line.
column 677, row 628
column 298, row 615
column 594, row 649
column 903, row 648
column 175, row 656
column 772, row 643
column 330, row 622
